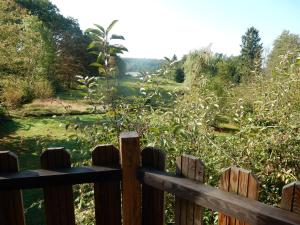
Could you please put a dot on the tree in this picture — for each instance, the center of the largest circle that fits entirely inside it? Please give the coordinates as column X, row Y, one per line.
column 106, row 52
column 229, row 69
column 179, row 75
column 68, row 54
column 22, row 49
column 121, row 67
column 197, row 64
column 286, row 49
column 251, row 53
column 24, row 56
column 169, row 67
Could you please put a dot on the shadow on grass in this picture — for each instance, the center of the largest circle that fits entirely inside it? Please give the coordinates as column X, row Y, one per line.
column 8, row 126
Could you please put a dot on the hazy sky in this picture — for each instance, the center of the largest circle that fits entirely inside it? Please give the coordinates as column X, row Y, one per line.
column 158, row 28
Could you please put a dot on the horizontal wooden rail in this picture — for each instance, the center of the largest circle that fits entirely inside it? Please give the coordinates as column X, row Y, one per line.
column 250, row 211
column 45, row 178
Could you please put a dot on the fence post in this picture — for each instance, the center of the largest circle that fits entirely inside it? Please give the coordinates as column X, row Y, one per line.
column 241, row 182
column 11, row 202
column 59, row 203
column 131, row 187
column 290, row 199
column 187, row 213
column 152, row 199
column 107, row 195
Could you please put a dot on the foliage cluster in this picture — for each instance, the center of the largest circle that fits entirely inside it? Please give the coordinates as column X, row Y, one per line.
column 138, row 65
column 24, row 56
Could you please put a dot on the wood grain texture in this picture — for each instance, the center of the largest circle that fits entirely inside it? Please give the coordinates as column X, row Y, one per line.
column 240, row 182
column 59, row 203
column 241, row 208
column 152, row 199
column 107, row 195
column 42, row 178
column 290, row 199
column 186, row 212
column 11, row 202
column 131, row 187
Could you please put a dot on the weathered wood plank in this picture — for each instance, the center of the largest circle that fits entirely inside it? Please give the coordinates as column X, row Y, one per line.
column 178, row 200
column 11, row 202
column 59, row 203
column 290, row 199
column 224, row 185
column 42, row 178
column 107, row 195
column 233, row 188
column 152, row 199
column 187, row 213
column 296, row 203
column 245, row 209
column 240, row 182
column 131, row 187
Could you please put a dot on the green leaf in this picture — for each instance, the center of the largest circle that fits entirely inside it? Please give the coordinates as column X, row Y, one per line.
column 95, row 31
column 100, row 57
column 114, row 36
column 101, row 70
column 100, row 27
column 94, row 52
column 167, row 59
column 95, row 64
column 111, row 26
column 118, row 48
column 93, row 44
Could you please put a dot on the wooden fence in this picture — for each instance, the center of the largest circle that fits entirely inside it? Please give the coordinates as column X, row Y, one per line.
column 129, row 187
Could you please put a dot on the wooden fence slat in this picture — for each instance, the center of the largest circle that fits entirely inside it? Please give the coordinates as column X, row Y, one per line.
column 224, row 185
column 152, row 199
column 131, row 187
column 240, row 182
column 178, row 200
column 59, row 203
column 250, row 211
column 187, row 213
column 11, row 202
column 107, row 195
column 290, row 199
column 233, row 188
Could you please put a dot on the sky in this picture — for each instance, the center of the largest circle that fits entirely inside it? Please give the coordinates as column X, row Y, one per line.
column 158, row 28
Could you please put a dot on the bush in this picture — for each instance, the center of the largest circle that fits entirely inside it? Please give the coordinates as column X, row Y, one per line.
column 17, row 91
column 42, row 89
column 179, row 75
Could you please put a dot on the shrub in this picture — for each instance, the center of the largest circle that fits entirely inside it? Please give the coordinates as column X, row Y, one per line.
column 179, row 75
column 42, row 89
column 17, row 91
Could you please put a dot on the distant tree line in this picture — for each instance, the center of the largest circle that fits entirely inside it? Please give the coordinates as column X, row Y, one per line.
column 244, row 67
column 138, row 64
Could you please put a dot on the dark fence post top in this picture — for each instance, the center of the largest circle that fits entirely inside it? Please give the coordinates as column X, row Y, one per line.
column 130, row 134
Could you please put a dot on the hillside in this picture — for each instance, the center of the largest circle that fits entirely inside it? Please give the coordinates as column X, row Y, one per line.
column 142, row 64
